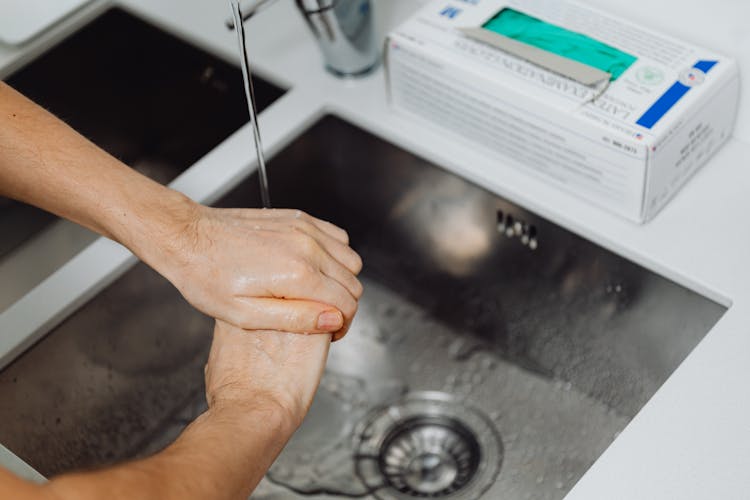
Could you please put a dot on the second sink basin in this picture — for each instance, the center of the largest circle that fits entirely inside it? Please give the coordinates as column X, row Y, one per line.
column 495, row 354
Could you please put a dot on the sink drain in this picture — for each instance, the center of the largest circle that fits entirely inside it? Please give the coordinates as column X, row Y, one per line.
column 428, row 446
column 429, row 456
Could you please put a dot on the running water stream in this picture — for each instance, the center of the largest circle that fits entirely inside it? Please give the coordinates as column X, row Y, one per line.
column 250, row 95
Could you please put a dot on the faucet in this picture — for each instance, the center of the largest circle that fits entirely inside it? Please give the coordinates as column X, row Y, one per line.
column 343, row 29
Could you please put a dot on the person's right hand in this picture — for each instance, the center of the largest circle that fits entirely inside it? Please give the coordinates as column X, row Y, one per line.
column 279, row 270
column 261, row 370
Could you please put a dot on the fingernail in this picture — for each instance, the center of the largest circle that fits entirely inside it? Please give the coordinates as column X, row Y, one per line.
column 330, row 320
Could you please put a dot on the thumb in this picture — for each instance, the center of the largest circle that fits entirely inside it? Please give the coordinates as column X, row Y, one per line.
column 287, row 315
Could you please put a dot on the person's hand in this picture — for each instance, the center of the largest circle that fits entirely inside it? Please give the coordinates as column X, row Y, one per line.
column 273, row 371
column 259, row 386
column 236, row 265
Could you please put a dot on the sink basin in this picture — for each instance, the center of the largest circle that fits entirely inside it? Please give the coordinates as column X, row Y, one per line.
column 495, row 354
column 143, row 95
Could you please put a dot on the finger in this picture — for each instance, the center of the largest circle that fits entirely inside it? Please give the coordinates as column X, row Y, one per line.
column 332, row 230
column 283, row 213
column 305, row 281
column 347, row 325
column 332, row 292
column 335, row 270
column 287, row 315
column 335, row 249
column 323, row 262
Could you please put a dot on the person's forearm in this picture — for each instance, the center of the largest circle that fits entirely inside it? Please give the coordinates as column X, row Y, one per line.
column 222, row 455
column 45, row 163
column 235, row 265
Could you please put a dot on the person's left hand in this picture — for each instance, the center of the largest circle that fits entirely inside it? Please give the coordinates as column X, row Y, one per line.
column 259, row 269
column 273, row 371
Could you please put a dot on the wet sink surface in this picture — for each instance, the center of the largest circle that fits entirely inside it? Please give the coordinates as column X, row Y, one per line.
column 476, row 368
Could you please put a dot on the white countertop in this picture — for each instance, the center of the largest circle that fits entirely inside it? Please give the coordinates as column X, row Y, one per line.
column 692, row 439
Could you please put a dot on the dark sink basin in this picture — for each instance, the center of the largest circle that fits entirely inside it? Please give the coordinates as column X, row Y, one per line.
column 145, row 96
column 500, row 371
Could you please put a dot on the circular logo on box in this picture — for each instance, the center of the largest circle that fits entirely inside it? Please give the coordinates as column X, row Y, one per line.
column 690, row 77
column 650, row 75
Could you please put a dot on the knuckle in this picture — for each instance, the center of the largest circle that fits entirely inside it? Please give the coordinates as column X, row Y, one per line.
column 306, row 244
column 302, row 270
column 303, row 226
column 306, row 320
column 358, row 288
column 349, row 308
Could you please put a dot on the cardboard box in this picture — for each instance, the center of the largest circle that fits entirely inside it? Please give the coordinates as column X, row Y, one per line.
column 625, row 135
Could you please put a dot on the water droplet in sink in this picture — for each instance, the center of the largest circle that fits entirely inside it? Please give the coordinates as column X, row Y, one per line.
column 457, row 349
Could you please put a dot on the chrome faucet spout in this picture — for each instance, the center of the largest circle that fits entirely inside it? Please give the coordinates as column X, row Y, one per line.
column 249, row 9
column 343, row 29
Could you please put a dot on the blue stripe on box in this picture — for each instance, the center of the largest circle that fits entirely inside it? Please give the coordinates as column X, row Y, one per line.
column 670, row 98
column 662, row 105
column 704, row 66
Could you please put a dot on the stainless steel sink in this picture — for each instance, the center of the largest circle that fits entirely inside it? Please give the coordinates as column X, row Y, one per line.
column 143, row 95
column 495, row 354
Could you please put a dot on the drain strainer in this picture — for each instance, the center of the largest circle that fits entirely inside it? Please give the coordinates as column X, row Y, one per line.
column 428, row 446
column 429, row 456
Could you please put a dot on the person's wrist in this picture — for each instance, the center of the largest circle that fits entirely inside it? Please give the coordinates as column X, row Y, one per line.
column 176, row 231
column 282, row 418
column 165, row 225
